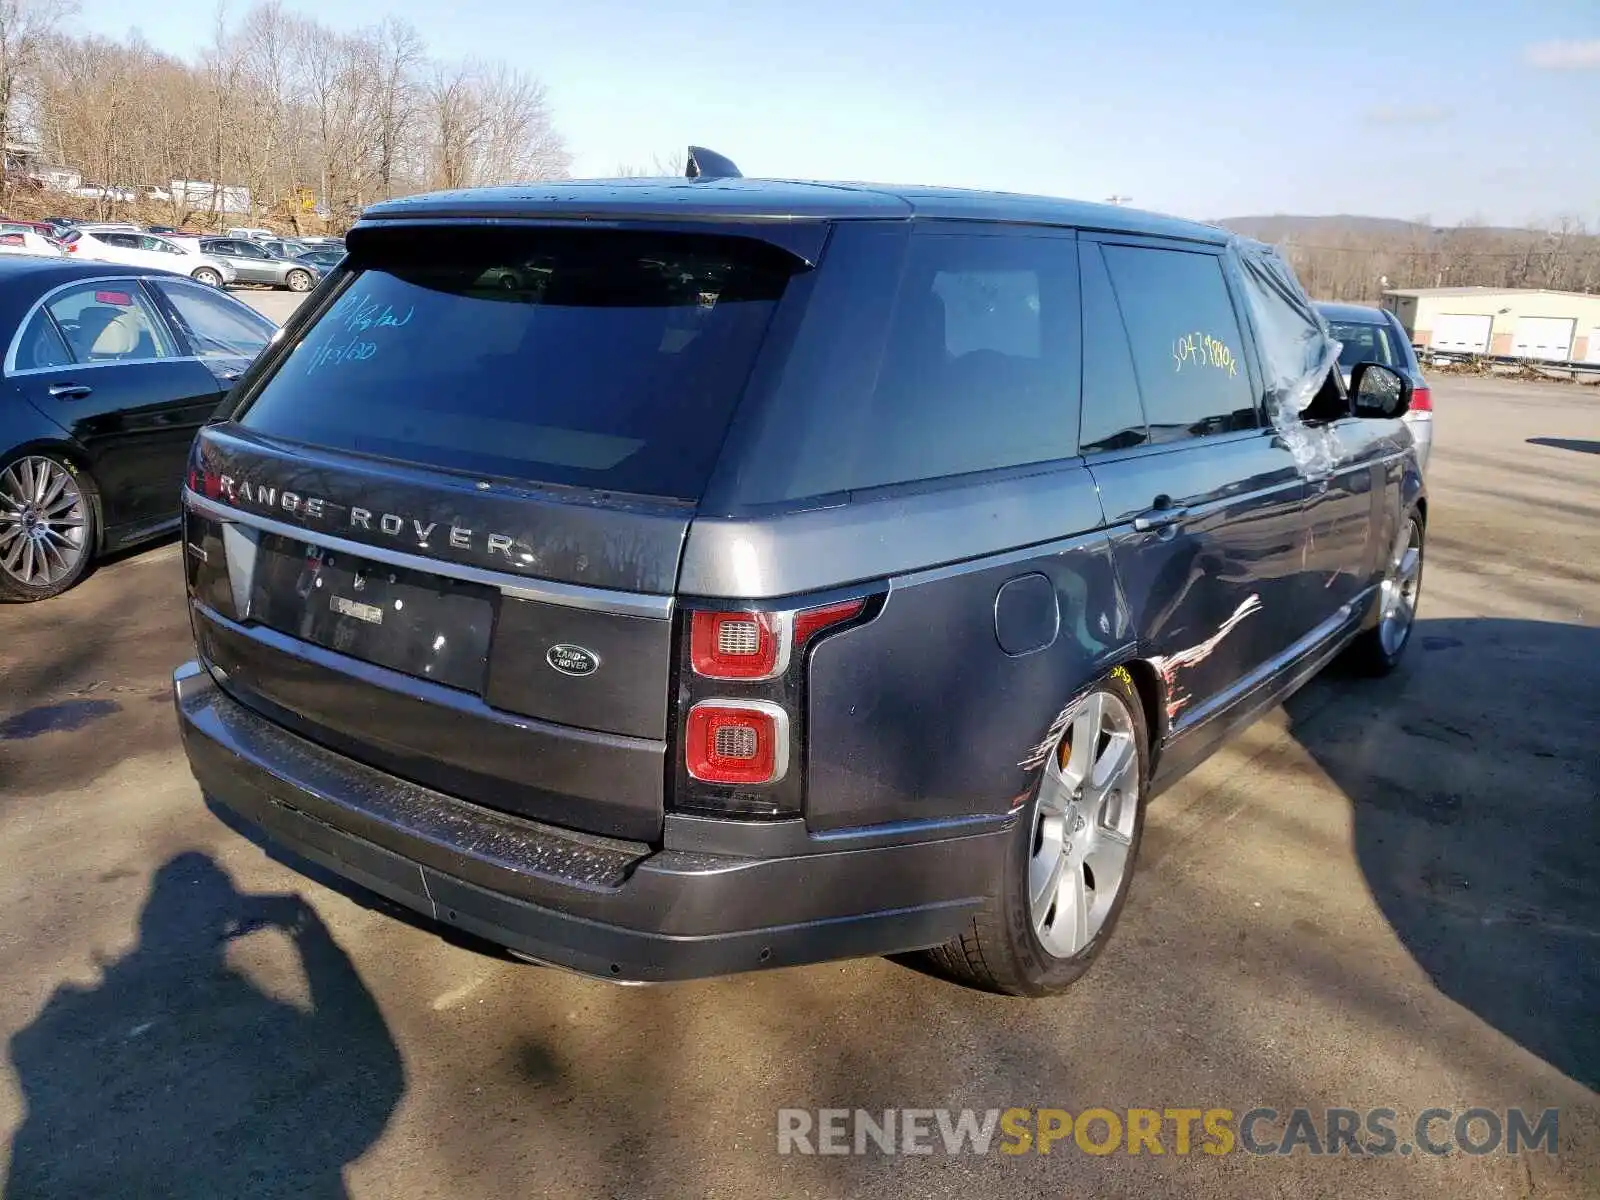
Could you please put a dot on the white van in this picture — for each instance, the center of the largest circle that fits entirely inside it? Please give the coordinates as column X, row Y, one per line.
column 251, row 235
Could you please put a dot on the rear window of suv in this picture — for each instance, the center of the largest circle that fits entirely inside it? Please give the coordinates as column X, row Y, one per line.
column 609, row 359
column 1360, row 342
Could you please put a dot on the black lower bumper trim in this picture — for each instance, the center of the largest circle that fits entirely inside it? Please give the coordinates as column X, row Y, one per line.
column 674, row 916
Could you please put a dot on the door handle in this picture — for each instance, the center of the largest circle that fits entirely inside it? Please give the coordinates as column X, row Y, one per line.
column 1160, row 517
column 69, row 391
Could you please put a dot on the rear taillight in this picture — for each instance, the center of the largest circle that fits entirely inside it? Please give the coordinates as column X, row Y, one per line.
column 202, row 483
column 1421, row 400
column 758, row 645
column 809, row 622
column 737, row 742
column 738, row 645
column 741, row 693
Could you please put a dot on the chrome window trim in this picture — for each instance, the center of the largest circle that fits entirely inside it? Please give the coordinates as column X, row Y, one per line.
column 518, row 587
column 11, row 370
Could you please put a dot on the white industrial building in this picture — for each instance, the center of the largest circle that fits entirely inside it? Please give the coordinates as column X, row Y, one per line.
column 1506, row 322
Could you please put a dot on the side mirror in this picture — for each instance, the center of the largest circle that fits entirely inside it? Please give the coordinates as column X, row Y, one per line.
column 1379, row 391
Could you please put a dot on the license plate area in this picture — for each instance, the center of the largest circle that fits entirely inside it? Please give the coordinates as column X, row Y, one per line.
column 430, row 626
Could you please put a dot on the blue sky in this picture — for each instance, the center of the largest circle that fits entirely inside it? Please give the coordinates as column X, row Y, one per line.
column 1453, row 109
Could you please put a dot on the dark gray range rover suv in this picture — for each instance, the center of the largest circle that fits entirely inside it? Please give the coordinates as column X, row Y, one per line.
column 669, row 578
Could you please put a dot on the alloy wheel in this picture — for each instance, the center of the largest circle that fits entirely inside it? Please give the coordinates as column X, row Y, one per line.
column 1083, row 826
column 42, row 522
column 1397, row 607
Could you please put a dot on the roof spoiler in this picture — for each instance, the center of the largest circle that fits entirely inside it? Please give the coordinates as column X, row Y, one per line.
column 708, row 164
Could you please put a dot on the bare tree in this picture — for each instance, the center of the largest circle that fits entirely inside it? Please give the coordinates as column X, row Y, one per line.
column 662, row 166
column 274, row 105
column 26, row 28
column 400, row 55
column 491, row 124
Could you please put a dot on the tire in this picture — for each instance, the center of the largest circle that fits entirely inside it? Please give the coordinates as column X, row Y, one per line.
column 1378, row 651
column 47, row 525
column 208, row 277
column 299, row 281
column 1004, row 951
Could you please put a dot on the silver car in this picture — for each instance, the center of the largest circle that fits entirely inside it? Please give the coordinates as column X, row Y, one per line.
column 1376, row 335
column 255, row 264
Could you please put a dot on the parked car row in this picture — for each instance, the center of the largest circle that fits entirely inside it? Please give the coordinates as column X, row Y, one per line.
column 243, row 255
column 183, row 256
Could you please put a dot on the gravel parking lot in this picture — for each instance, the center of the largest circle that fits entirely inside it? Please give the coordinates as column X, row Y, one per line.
column 1386, row 895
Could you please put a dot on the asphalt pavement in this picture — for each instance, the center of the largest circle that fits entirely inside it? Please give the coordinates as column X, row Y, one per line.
column 276, row 304
column 1385, row 895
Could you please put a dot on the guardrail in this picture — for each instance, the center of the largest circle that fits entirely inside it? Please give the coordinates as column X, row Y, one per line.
column 1431, row 357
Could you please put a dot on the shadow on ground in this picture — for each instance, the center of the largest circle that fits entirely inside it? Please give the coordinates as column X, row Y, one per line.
column 177, row 1076
column 1581, row 445
column 84, row 676
column 1483, row 851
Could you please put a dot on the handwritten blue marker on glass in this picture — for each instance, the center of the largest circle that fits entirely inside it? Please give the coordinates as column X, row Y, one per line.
column 357, row 313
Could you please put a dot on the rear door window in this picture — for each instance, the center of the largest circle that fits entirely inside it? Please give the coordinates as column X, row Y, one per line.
column 109, row 321
column 943, row 355
column 607, row 359
column 1187, row 348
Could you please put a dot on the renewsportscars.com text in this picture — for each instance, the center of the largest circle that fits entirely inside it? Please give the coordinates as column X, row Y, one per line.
column 1214, row 1131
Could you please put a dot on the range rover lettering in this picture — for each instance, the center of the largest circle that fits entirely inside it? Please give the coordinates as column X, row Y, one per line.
column 662, row 579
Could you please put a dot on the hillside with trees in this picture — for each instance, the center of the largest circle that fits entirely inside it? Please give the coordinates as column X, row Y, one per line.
column 1357, row 258
column 277, row 103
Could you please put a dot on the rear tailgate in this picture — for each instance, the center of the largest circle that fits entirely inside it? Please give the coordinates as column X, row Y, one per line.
column 442, row 535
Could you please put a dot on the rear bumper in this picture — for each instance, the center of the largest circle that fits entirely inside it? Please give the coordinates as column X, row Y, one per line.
column 1421, row 425
column 605, row 907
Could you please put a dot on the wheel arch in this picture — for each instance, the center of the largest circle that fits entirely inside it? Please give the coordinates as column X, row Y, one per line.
column 78, row 458
column 1151, row 690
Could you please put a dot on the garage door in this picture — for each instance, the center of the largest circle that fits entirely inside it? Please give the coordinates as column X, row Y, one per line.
column 1462, row 332
column 1594, row 344
column 1543, row 337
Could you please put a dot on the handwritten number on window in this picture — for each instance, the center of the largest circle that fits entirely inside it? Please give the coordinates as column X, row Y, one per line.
column 1202, row 350
column 355, row 314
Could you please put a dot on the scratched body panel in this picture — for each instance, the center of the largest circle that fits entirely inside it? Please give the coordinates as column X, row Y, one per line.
column 1234, row 561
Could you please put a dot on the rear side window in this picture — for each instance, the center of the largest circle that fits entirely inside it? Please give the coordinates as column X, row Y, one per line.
column 1187, row 348
column 917, row 359
column 598, row 358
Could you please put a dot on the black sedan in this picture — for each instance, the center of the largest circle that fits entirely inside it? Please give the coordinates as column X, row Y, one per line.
column 109, row 370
